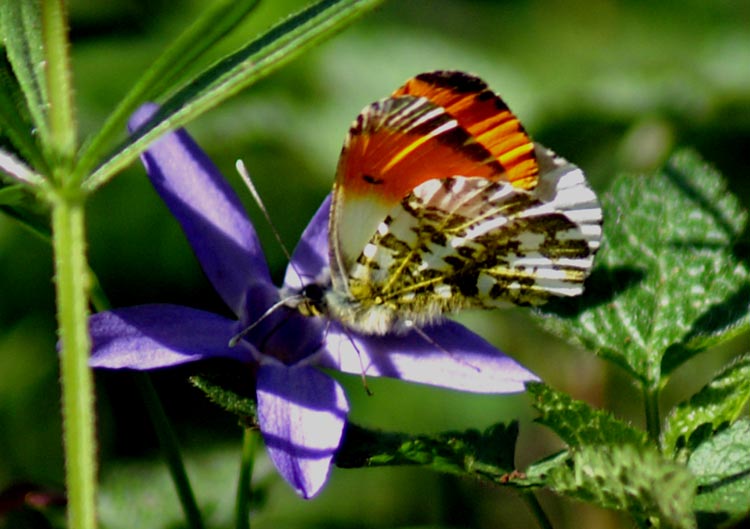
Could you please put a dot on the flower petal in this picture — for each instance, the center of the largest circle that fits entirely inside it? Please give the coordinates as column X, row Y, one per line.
column 302, row 413
column 209, row 211
column 153, row 336
column 447, row 355
column 310, row 257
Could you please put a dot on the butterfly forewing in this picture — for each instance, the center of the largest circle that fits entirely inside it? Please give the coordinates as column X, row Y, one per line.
column 484, row 115
column 398, row 143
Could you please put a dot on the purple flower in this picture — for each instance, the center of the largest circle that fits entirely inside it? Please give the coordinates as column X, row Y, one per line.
column 301, row 410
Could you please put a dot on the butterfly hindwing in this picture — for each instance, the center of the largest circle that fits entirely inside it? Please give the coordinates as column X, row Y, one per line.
column 470, row 242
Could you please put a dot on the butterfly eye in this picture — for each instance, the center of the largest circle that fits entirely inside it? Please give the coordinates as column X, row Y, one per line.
column 313, row 300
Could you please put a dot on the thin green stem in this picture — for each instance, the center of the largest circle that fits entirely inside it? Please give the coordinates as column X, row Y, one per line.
column 59, row 81
column 71, row 278
column 244, row 490
column 170, row 451
column 653, row 422
column 536, row 509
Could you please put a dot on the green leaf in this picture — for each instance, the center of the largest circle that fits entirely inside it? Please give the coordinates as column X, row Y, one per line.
column 487, row 454
column 716, row 405
column 21, row 25
column 15, row 122
column 236, row 72
column 12, row 195
column 214, row 24
column 579, row 424
column 637, row 480
column 667, row 282
column 722, row 469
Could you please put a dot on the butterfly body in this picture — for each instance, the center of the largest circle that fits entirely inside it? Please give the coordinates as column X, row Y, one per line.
column 442, row 202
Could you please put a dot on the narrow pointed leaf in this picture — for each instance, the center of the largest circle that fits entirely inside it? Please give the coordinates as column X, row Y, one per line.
column 716, row 405
column 21, row 25
column 579, row 424
column 213, row 25
column 15, row 122
column 722, row 469
column 236, row 72
column 667, row 282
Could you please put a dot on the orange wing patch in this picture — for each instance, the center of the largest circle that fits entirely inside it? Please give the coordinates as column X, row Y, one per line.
column 398, row 143
column 484, row 116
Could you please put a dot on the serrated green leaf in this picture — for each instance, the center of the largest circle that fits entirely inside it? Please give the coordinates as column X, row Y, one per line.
column 667, row 283
column 234, row 73
column 21, row 26
column 579, row 424
column 637, row 480
column 717, row 404
column 487, row 454
column 212, row 25
column 722, row 469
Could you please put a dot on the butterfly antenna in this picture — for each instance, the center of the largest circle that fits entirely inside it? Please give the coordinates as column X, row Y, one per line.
column 234, row 340
column 245, row 175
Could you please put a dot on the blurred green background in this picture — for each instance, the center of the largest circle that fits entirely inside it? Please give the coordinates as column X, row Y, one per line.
column 611, row 85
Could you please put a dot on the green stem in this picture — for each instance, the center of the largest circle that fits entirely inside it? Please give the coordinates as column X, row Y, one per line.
column 244, row 490
column 59, row 83
column 71, row 278
column 653, row 422
column 536, row 509
column 170, row 451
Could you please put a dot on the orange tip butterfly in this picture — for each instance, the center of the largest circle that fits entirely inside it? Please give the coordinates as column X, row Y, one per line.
column 442, row 202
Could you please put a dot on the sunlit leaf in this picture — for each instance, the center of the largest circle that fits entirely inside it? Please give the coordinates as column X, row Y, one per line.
column 579, row 424
column 667, row 282
column 216, row 22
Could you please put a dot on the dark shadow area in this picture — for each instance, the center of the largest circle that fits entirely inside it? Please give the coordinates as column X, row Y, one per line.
column 602, row 287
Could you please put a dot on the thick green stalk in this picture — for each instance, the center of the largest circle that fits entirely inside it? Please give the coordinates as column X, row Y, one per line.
column 61, row 114
column 244, row 490
column 71, row 281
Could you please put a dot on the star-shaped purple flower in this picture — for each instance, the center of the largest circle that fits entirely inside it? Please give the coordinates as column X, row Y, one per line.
column 301, row 410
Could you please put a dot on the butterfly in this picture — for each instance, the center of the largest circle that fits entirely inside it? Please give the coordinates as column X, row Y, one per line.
column 442, row 202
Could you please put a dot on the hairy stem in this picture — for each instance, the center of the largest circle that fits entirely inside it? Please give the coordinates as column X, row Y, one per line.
column 71, row 281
